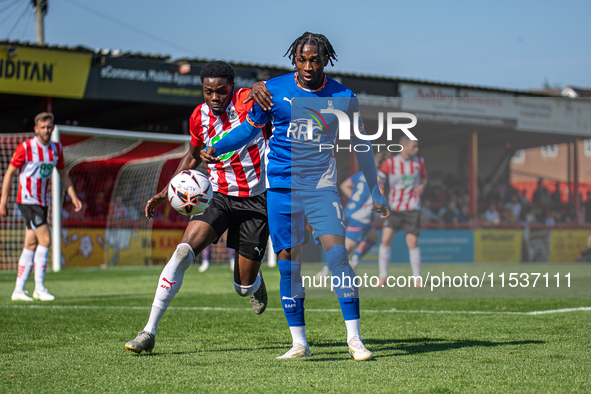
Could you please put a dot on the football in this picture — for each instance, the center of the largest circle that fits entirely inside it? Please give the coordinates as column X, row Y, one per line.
column 190, row 192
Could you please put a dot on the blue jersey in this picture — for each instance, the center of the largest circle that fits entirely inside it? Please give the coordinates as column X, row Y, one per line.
column 360, row 204
column 299, row 154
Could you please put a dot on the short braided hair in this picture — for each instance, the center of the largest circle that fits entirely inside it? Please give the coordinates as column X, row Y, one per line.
column 322, row 44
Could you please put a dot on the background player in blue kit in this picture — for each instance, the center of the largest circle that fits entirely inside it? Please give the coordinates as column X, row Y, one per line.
column 361, row 232
column 301, row 180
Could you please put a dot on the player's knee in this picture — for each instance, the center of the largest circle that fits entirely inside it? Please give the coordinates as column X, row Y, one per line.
column 31, row 244
column 44, row 240
column 337, row 257
column 184, row 255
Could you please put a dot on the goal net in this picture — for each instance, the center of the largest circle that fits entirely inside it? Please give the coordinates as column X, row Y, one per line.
column 114, row 173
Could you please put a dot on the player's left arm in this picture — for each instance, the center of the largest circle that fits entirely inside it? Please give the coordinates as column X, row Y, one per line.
column 69, row 187
column 423, row 174
column 367, row 163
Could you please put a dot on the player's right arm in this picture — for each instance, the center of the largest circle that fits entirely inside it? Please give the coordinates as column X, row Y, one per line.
column 260, row 95
column 190, row 160
column 6, row 183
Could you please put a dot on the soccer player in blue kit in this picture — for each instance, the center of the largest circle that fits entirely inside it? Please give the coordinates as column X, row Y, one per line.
column 301, row 183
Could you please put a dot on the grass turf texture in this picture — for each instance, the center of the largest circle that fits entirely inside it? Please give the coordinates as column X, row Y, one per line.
column 76, row 343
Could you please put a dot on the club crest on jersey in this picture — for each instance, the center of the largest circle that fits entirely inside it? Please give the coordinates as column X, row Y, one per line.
column 232, row 115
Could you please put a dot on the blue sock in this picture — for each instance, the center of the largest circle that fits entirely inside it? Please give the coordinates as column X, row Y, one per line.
column 292, row 292
column 363, row 247
column 348, row 294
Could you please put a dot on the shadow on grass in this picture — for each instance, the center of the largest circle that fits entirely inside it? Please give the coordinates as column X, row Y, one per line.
column 411, row 346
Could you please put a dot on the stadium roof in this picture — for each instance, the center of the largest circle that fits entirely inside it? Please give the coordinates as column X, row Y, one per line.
column 166, row 58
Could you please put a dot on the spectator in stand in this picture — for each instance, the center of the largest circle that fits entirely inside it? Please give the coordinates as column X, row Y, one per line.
column 530, row 215
column 117, row 211
column 501, row 190
column 551, row 219
column 513, row 209
column 427, row 214
column 491, row 215
column 464, row 216
column 541, row 195
column 523, row 199
column 100, row 207
column 449, row 214
column 582, row 215
column 555, row 197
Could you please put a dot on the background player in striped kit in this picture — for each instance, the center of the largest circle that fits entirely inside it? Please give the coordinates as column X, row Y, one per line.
column 36, row 159
column 407, row 178
column 238, row 204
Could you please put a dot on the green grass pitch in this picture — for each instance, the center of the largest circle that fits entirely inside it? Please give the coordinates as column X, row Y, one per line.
column 76, row 343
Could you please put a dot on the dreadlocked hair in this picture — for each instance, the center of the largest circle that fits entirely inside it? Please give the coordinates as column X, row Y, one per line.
column 322, row 45
column 217, row 69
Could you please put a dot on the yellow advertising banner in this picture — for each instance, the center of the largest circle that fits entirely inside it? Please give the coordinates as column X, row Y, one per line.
column 567, row 244
column 42, row 72
column 497, row 246
column 92, row 247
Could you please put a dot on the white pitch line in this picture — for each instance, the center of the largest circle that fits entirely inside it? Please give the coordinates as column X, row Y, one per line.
column 207, row 308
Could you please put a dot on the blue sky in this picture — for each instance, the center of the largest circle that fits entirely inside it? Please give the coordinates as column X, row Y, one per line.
column 509, row 44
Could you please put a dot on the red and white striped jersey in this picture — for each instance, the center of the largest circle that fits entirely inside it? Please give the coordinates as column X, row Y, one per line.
column 403, row 177
column 36, row 162
column 240, row 172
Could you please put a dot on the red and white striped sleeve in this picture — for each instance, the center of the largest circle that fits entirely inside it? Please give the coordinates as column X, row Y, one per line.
column 422, row 170
column 19, row 156
column 60, row 157
column 196, row 127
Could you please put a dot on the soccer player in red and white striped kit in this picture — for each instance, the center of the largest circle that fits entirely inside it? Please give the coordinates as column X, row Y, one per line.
column 407, row 178
column 36, row 159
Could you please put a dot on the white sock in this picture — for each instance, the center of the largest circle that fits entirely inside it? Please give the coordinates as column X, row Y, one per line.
column 324, row 271
column 352, row 329
column 383, row 260
column 169, row 284
column 204, row 266
column 415, row 261
column 155, row 315
column 244, row 291
column 25, row 265
column 354, row 261
column 40, row 266
column 298, row 335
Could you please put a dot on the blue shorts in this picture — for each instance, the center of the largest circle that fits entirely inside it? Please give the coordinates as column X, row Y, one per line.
column 287, row 211
column 356, row 230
